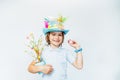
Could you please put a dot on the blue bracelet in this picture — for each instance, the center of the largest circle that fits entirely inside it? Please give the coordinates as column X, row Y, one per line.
column 78, row 50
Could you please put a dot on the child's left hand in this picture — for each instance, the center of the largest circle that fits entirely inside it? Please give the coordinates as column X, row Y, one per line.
column 73, row 44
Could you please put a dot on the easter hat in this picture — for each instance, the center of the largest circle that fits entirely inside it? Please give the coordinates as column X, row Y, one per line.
column 54, row 25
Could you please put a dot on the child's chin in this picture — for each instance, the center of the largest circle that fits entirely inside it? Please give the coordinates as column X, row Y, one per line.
column 57, row 45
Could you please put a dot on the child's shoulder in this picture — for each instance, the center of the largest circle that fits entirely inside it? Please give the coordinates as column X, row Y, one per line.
column 45, row 47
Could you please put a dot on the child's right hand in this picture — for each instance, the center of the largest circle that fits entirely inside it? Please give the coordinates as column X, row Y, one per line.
column 47, row 69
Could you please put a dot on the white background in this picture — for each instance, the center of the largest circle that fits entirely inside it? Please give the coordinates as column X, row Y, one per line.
column 95, row 24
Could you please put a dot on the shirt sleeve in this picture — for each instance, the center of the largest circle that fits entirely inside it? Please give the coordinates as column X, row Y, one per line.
column 70, row 57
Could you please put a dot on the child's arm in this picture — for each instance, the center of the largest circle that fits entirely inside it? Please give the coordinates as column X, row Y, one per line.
column 78, row 63
column 46, row 69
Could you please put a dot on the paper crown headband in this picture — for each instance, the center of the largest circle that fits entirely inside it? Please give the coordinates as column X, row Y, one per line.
column 54, row 24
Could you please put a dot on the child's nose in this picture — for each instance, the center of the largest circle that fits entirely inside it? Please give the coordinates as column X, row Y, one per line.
column 57, row 36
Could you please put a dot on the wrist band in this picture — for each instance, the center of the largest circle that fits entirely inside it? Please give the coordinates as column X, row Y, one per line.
column 78, row 50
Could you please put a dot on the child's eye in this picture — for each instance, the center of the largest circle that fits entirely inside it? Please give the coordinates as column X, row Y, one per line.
column 60, row 35
column 53, row 34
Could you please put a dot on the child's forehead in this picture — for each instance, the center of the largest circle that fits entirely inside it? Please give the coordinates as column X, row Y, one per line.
column 56, row 32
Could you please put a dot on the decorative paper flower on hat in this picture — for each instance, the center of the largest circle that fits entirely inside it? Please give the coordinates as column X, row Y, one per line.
column 35, row 46
column 54, row 24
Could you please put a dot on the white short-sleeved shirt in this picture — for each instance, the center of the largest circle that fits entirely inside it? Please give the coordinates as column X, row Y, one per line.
column 58, row 59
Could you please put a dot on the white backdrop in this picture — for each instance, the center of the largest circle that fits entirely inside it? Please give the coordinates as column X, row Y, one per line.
column 95, row 24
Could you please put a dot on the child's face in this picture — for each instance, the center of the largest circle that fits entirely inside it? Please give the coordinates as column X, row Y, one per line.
column 56, row 38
